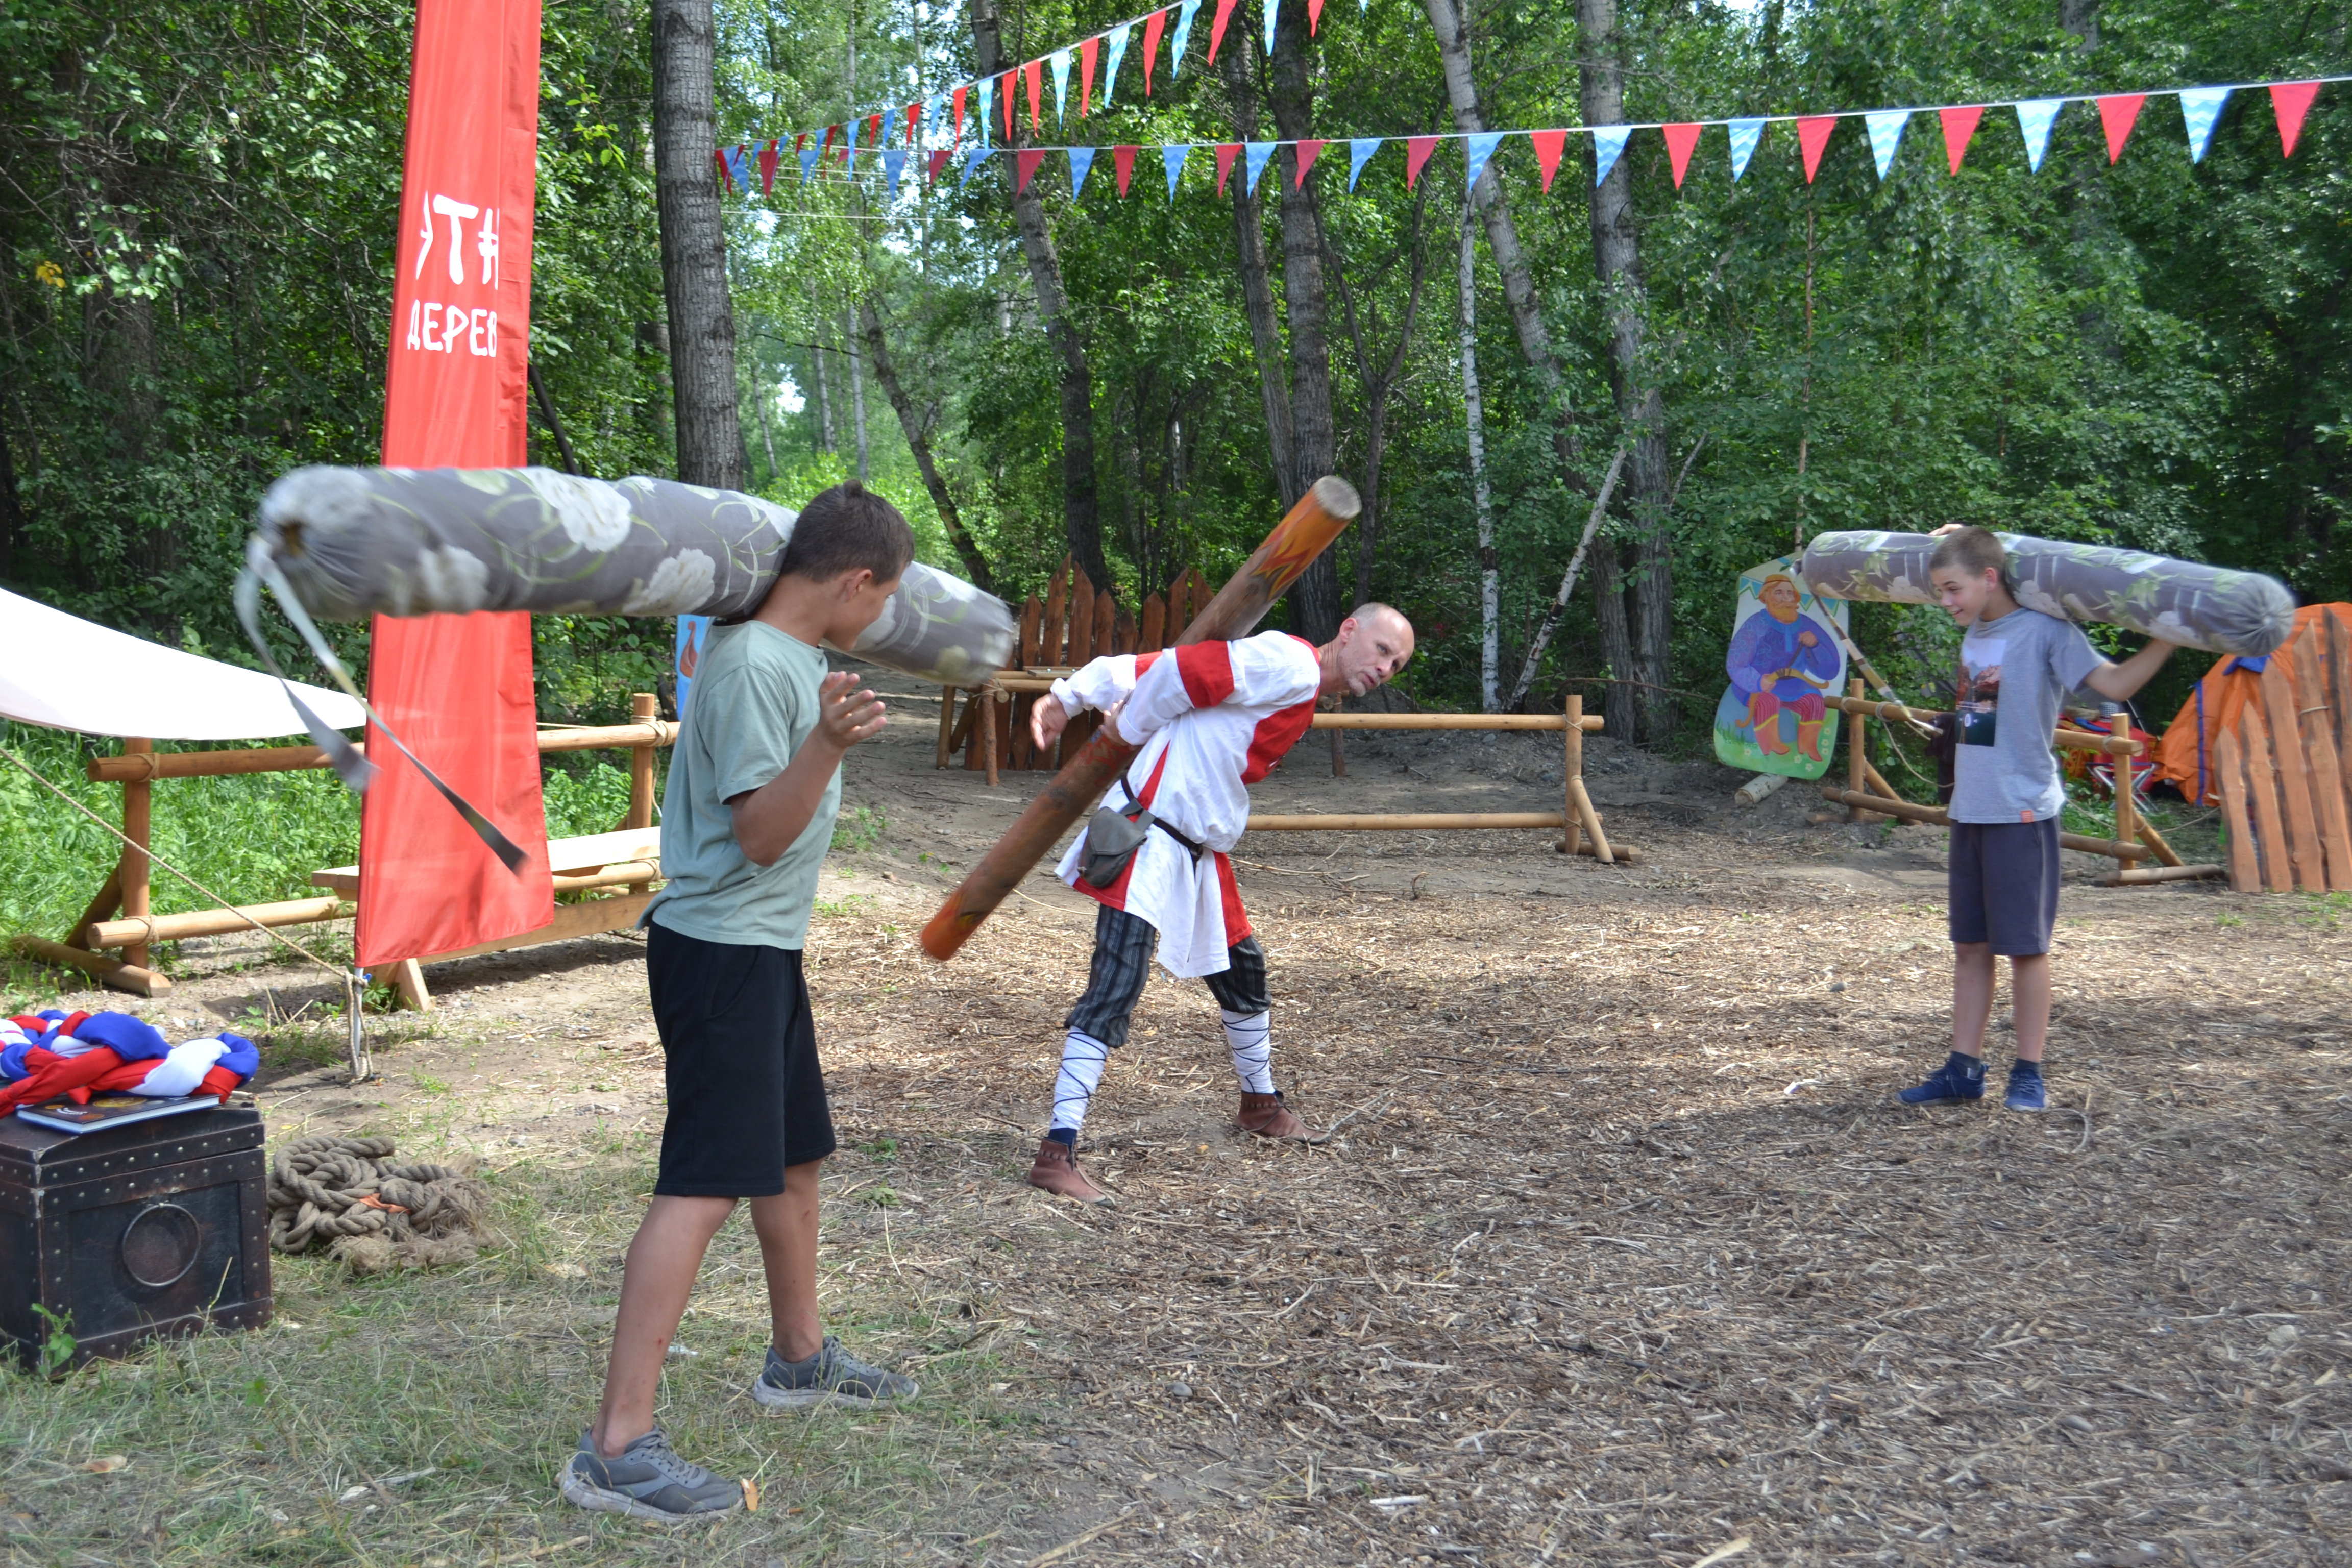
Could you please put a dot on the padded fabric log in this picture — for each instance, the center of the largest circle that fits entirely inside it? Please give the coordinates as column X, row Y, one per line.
column 2208, row 607
column 411, row 542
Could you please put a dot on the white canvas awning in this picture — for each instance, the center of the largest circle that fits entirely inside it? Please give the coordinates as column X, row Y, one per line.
column 70, row 674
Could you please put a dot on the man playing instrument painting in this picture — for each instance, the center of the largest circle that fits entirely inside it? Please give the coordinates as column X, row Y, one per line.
column 1783, row 660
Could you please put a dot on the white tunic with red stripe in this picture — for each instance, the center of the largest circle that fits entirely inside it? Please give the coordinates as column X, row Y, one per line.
column 1213, row 718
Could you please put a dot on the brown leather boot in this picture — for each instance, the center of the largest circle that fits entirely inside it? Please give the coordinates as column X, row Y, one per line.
column 1056, row 1170
column 1266, row 1115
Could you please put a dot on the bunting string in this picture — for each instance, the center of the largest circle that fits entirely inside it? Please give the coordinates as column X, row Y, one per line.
column 1883, row 129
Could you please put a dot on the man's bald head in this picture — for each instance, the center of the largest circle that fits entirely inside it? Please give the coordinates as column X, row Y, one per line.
column 1371, row 646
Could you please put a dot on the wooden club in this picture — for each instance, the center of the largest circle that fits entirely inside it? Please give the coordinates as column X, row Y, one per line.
column 1328, row 507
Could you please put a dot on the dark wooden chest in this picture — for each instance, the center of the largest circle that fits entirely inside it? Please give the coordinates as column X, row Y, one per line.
column 161, row 1227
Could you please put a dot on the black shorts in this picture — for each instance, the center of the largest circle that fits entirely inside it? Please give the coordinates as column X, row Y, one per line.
column 2004, row 883
column 739, row 1057
column 1122, row 962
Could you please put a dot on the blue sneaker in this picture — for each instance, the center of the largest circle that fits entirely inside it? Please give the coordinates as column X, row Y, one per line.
column 1959, row 1079
column 2025, row 1089
column 832, row 1376
column 649, row 1480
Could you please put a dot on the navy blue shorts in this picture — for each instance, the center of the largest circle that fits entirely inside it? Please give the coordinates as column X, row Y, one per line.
column 1122, row 962
column 2004, row 883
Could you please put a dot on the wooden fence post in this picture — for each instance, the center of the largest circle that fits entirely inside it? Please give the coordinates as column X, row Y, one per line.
column 137, row 824
column 1571, row 769
column 645, row 707
column 1855, row 760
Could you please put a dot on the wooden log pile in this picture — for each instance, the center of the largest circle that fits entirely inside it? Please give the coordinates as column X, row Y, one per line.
column 2285, row 769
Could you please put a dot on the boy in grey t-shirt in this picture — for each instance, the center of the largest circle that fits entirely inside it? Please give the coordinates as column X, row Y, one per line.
column 2016, row 666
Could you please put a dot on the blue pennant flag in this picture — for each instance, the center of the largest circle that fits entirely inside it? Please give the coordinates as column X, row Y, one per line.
column 1360, row 153
column 1172, row 158
column 971, row 160
column 931, row 112
column 894, row 164
column 1117, row 53
column 1081, row 160
column 1608, row 143
column 2201, row 108
column 1477, row 149
column 1183, row 32
column 2034, row 118
column 1745, row 134
column 809, row 155
column 1271, row 7
column 987, row 110
column 1060, row 60
column 1256, row 153
column 849, row 161
column 738, row 169
column 1885, row 128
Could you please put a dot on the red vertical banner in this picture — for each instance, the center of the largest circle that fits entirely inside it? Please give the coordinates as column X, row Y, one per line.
column 458, row 688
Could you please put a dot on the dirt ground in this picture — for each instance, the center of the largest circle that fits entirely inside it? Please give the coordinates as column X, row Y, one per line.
column 1622, row 1253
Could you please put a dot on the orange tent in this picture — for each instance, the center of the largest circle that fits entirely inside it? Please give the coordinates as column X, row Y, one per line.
column 2185, row 756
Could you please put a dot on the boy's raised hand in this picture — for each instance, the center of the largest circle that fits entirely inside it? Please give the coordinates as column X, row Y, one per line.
column 847, row 712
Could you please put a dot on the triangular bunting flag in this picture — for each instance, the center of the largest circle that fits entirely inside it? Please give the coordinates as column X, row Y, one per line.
column 1549, row 144
column 1183, row 37
column 1118, row 36
column 768, row 169
column 1060, row 60
column 725, row 175
column 1608, row 144
column 1259, row 152
column 1122, row 161
column 1959, row 125
column 849, row 153
column 1024, row 165
column 2200, row 111
column 1885, row 128
column 874, row 129
column 987, row 109
column 1314, row 15
column 2118, row 112
column 1744, row 135
column 1680, row 141
column 1086, row 52
column 1226, row 153
column 830, row 132
column 914, row 119
column 1272, row 7
column 972, row 160
column 1304, row 155
column 934, row 109
column 1081, row 160
column 809, row 156
column 1476, row 150
column 739, row 167
column 959, row 99
column 1006, row 87
column 1417, row 150
column 1360, row 153
column 1216, row 26
column 2035, row 116
column 2291, row 100
column 1173, row 160
column 1030, row 79
column 939, row 160
column 1152, row 26
column 894, row 164
column 1812, row 135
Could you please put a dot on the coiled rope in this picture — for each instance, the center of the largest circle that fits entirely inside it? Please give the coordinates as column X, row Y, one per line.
column 346, row 1194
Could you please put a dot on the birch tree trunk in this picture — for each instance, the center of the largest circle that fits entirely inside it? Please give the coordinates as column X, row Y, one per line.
column 856, row 390
column 1081, row 497
column 694, row 246
column 1490, row 607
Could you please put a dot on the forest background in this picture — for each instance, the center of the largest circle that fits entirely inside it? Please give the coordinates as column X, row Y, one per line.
column 197, row 202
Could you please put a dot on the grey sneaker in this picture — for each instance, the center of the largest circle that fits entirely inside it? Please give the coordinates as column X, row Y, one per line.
column 832, row 1376
column 649, row 1480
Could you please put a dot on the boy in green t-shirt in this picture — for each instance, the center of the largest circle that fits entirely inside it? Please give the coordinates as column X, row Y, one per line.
column 747, row 815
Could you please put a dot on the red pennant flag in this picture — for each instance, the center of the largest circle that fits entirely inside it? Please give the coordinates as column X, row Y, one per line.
column 2118, row 114
column 874, row 129
column 1027, row 162
column 1029, row 74
column 1004, row 93
column 914, row 118
column 1417, row 150
column 830, row 132
column 1152, row 26
column 1812, row 135
column 800, row 142
column 959, row 115
column 1314, row 15
column 2291, row 100
column 1681, row 140
column 1123, row 160
column 1305, row 155
column 768, row 170
column 939, row 160
column 1086, row 52
column 1959, row 125
column 1548, row 146
column 719, row 155
column 1226, row 152
column 1217, row 27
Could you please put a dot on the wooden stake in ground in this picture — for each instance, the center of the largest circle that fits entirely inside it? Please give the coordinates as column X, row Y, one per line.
column 1328, row 507
column 2230, row 773
column 2262, row 793
column 2317, row 730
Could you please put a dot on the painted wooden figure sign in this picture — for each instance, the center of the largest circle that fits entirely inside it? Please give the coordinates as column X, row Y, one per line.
column 1787, row 661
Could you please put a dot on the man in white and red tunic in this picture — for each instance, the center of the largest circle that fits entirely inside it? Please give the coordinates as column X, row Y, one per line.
column 1211, row 719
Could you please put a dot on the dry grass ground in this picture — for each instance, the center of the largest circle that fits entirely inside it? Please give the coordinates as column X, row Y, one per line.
column 1622, row 1255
